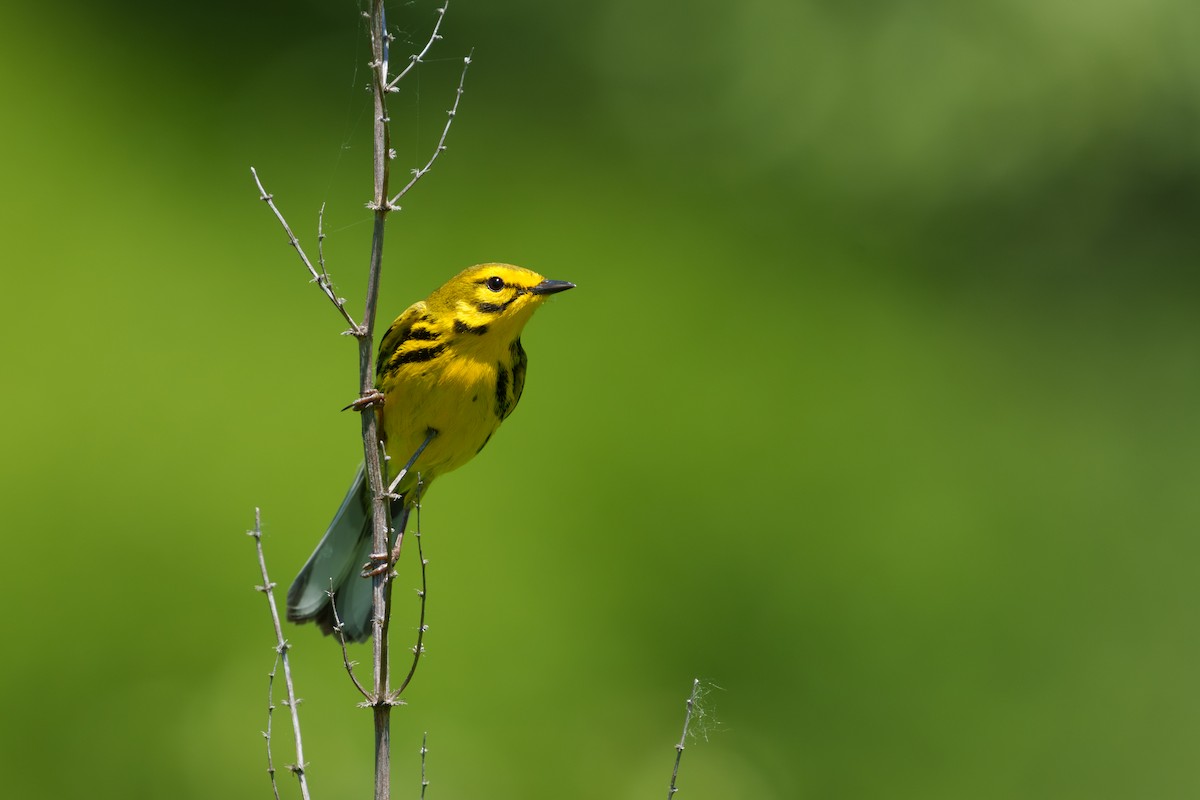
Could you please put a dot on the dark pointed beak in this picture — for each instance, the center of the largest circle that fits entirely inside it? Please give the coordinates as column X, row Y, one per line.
column 552, row 287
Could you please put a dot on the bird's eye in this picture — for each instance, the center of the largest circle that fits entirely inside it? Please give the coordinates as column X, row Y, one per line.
column 495, row 283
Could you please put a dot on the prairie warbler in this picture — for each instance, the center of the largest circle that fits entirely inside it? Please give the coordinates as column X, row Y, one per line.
column 450, row 369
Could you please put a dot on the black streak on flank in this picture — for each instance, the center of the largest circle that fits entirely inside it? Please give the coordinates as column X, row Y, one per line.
column 502, row 403
column 462, row 327
column 519, row 362
column 485, row 441
column 424, row 334
column 416, row 356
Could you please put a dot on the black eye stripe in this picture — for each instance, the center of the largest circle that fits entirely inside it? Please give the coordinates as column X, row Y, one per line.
column 497, row 308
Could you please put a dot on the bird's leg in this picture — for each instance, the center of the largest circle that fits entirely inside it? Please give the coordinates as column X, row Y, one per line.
column 379, row 563
column 429, row 434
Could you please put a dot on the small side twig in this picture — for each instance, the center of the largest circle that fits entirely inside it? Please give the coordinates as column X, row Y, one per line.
column 320, row 278
column 281, row 649
column 267, row 732
column 417, row 174
column 687, row 720
column 341, row 635
column 424, row 752
column 325, row 281
column 413, row 60
column 419, row 647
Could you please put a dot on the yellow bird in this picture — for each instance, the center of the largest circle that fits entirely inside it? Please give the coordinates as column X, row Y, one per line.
column 450, row 369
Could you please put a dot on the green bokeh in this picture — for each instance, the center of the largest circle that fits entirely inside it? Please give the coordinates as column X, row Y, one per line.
column 875, row 406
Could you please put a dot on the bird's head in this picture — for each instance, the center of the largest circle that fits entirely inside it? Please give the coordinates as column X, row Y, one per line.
column 494, row 299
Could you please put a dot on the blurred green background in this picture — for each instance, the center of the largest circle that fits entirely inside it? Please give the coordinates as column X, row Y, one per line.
column 876, row 405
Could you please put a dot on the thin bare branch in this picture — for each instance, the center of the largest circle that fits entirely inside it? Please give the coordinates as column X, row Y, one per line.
column 413, row 60
column 281, row 648
column 320, row 278
column 378, row 695
column 441, row 145
column 687, row 720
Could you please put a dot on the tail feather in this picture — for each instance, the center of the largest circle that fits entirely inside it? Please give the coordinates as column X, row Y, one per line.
column 336, row 563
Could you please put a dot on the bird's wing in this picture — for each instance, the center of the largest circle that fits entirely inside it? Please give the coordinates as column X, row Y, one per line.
column 398, row 334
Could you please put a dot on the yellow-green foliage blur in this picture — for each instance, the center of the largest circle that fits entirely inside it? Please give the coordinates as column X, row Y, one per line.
column 876, row 405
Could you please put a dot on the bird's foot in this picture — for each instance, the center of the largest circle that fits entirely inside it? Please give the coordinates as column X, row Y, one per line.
column 371, row 399
column 377, row 564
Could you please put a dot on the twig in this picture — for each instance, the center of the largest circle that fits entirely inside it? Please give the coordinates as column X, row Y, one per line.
column 413, row 60
column 687, row 719
column 341, row 635
column 424, row 751
column 281, row 648
column 419, row 648
column 325, row 280
column 267, row 732
column 321, row 278
column 441, row 145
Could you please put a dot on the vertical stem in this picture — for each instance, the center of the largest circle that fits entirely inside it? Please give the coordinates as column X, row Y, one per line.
column 381, row 583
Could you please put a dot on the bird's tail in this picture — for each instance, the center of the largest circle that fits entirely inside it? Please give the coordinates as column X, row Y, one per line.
column 337, row 563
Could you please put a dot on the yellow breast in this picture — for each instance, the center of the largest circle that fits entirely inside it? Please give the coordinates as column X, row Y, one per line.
column 454, row 396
